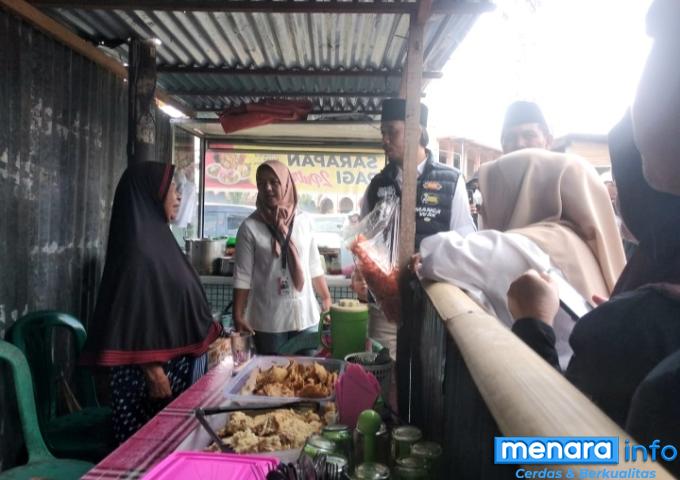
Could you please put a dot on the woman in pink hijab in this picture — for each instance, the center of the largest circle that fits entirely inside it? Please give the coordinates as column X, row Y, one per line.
column 278, row 268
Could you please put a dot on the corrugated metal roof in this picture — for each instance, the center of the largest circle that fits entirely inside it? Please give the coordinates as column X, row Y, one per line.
column 256, row 40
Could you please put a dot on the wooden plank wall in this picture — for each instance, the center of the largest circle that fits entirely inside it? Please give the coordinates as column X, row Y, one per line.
column 63, row 131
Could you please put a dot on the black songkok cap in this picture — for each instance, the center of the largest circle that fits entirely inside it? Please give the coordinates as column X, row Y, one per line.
column 395, row 109
column 523, row 112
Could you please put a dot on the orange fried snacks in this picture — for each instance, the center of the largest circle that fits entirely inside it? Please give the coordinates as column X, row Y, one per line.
column 384, row 285
column 268, row 432
column 295, row 380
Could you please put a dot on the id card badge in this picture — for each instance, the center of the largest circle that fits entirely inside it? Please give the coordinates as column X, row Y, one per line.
column 284, row 286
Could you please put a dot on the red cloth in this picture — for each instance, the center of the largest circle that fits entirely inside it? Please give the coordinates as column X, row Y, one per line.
column 251, row 115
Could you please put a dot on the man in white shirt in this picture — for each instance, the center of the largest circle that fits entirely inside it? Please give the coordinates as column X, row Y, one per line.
column 441, row 199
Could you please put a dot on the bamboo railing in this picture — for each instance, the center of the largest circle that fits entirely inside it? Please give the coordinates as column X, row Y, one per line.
column 473, row 379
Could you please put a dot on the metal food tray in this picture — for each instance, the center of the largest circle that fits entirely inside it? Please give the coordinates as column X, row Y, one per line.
column 209, row 420
column 233, row 390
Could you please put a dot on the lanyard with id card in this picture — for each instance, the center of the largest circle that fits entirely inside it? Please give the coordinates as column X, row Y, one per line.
column 284, row 288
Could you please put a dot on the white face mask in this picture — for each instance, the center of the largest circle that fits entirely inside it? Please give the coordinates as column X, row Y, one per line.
column 656, row 110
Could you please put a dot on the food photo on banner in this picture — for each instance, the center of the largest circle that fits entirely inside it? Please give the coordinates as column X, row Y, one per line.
column 232, row 167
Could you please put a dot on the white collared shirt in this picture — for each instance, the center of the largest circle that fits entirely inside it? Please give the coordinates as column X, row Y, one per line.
column 258, row 270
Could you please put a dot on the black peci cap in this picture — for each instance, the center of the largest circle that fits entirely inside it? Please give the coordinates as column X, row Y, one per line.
column 523, row 112
column 395, row 109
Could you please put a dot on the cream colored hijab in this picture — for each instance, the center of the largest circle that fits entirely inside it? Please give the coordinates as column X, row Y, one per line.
column 559, row 202
column 281, row 218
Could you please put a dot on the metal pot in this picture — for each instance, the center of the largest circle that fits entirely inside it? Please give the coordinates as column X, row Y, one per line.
column 203, row 254
column 225, row 266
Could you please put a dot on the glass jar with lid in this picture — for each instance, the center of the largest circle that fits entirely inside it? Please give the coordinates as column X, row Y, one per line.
column 411, row 468
column 431, row 455
column 341, row 436
column 318, row 445
column 403, row 438
column 336, row 463
column 371, row 471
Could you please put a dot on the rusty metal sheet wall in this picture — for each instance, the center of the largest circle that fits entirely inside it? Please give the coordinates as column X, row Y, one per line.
column 62, row 149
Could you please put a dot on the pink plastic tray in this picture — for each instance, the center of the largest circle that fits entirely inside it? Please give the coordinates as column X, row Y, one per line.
column 209, row 466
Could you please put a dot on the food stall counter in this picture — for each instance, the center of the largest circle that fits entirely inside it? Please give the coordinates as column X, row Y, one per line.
column 163, row 433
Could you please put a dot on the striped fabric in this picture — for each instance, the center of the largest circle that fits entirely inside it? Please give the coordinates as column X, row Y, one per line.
column 163, row 433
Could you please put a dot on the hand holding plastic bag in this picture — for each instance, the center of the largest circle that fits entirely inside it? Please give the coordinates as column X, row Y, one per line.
column 374, row 243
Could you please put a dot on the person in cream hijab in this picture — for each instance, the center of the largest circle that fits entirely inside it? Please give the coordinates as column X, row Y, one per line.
column 542, row 210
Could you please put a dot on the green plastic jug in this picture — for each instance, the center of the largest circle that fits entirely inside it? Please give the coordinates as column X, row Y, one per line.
column 348, row 328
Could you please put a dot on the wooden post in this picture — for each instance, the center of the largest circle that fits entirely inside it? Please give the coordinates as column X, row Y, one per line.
column 201, row 189
column 407, row 220
column 141, row 103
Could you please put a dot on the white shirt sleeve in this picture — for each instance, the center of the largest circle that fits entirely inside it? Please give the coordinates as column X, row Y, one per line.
column 461, row 220
column 315, row 268
column 187, row 207
column 245, row 257
column 484, row 264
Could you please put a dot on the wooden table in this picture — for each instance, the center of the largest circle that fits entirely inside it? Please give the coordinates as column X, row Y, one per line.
column 164, row 432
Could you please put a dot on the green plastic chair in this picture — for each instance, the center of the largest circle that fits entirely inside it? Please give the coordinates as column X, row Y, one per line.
column 41, row 463
column 85, row 434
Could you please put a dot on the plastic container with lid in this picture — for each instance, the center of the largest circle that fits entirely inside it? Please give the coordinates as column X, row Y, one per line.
column 348, row 328
column 235, row 389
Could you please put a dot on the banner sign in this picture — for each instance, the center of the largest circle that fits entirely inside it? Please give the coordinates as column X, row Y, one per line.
column 228, row 167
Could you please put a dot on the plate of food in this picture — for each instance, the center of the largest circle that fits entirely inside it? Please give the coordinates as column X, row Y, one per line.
column 213, row 170
column 228, row 177
column 274, row 431
column 271, row 379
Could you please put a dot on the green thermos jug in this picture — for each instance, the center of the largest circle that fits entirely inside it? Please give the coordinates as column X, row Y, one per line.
column 348, row 329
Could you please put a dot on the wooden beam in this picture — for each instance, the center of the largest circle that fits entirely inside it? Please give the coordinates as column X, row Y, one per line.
column 371, row 112
column 407, row 218
column 456, row 7
column 265, row 6
column 445, row 7
column 62, row 34
column 250, row 93
column 164, row 97
column 414, row 62
column 141, row 106
column 293, row 72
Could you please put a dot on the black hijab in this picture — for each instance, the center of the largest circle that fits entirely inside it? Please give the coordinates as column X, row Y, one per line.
column 651, row 216
column 151, row 306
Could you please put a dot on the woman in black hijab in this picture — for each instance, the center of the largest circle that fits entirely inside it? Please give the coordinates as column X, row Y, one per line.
column 151, row 315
